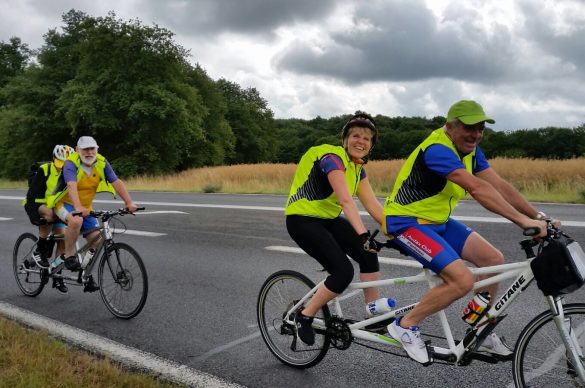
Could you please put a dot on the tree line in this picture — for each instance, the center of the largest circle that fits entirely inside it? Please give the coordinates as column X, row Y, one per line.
column 133, row 88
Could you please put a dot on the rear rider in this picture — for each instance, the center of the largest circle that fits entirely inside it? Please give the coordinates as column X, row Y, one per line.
column 35, row 205
column 326, row 179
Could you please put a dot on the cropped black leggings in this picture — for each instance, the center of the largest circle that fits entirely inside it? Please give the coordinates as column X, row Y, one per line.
column 329, row 241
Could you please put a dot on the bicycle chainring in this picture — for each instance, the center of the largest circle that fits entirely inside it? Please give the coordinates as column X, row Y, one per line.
column 340, row 333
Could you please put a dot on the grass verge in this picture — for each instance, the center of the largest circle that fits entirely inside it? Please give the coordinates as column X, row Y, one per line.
column 30, row 358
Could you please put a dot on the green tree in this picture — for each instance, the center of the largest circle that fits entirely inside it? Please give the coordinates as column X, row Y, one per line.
column 252, row 123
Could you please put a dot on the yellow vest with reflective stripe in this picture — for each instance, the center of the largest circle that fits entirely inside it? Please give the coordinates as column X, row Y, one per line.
column 420, row 193
column 99, row 166
column 310, row 193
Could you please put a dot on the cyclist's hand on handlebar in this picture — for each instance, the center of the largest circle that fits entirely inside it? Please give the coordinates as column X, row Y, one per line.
column 81, row 211
column 132, row 207
column 369, row 242
column 536, row 228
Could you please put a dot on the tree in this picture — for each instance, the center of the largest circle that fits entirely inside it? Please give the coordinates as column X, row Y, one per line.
column 252, row 124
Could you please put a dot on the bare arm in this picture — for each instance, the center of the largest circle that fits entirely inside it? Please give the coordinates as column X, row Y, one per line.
column 367, row 197
column 508, row 192
column 121, row 190
column 491, row 199
column 337, row 181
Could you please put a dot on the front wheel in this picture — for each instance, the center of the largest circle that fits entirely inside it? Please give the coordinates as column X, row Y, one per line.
column 123, row 281
column 30, row 278
column 281, row 291
column 540, row 358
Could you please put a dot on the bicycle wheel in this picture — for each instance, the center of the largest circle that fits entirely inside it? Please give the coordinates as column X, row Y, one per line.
column 123, row 281
column 540, row 359
column 30, row 278
column 278, row 294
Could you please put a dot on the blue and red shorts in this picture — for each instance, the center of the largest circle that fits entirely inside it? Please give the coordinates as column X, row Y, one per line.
column 433, row 245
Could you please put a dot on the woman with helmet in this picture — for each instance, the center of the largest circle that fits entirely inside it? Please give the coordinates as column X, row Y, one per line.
column 40, row 188
column 326, row 179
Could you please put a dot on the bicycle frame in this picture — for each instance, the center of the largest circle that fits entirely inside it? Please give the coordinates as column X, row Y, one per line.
column 521, row 273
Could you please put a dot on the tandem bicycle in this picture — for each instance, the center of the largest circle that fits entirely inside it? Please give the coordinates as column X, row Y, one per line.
column 121, row 274
column 548, row 353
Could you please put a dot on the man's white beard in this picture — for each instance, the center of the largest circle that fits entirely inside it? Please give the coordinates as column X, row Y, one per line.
column 88, row 160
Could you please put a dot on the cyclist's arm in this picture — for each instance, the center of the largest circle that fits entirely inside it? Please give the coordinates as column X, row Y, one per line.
column 337, row 181
column 367, row 197
column 120, row 188
column 508, row 192
column 490, row 198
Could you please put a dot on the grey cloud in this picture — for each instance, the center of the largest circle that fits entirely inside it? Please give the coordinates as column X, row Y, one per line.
column 258, row 17
column 408, row 43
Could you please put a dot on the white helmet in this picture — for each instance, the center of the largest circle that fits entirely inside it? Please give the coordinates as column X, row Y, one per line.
column 62, row 152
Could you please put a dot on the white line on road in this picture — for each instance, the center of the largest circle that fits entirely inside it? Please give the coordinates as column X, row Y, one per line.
column 143, row 233
column 281, row 209
column 135, row 358
column 5, row 219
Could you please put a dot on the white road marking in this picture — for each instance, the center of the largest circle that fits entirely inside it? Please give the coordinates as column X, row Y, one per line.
column 281, row 209
column 143, row 233
column 5, row 219
column 136, row 358
column 160, row 212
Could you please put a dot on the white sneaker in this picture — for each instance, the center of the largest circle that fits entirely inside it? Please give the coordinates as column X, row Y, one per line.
column 410, row 340
column 495, row 345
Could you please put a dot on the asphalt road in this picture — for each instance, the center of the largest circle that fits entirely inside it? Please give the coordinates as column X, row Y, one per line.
column 205, row 273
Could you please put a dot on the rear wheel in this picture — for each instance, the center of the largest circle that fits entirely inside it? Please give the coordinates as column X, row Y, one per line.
column 30, row 278
column 123, row 281
column 540, row 358
column 280, row 292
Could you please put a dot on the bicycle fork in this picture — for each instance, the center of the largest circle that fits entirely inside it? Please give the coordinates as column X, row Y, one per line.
column 573, row 349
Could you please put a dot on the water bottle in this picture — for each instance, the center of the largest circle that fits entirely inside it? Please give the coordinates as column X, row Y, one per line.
column 380, row 306
column 476, row 307
column 56, row 263
column 88, row 255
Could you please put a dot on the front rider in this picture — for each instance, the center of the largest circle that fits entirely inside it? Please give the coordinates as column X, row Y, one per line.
column 439, row 172
column 85, row 173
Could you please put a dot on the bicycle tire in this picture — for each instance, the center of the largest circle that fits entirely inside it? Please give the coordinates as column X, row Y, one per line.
column 31, row 282
column 123, row 281
column 277, row 295
column 540, row 358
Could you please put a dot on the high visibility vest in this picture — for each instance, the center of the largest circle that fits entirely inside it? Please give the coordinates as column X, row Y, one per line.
column 51, row 175
column 419, row 192
column 310, row 193
column 62, row 190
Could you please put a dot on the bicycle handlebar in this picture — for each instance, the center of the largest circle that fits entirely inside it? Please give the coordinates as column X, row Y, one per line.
column 107, row 214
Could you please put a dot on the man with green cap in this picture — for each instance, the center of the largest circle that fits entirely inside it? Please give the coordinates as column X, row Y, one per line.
column 440, row 171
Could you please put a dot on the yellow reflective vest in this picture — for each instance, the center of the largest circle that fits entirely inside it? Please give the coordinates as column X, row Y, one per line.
column 310, row 193
column 62, row 190
column 421, row 193
column 51, row 175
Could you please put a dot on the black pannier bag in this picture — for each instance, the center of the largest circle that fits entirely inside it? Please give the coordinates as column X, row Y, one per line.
column 559, row 268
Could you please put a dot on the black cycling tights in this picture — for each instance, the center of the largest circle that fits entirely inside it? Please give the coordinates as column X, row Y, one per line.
column 328, row 241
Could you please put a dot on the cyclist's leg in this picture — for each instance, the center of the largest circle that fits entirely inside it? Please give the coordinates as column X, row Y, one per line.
column 481, row 253
column 424, row 243
column 64, row 212
column 312, row 236
column 368, row 262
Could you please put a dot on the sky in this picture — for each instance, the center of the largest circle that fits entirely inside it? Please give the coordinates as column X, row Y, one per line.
column 523, row 60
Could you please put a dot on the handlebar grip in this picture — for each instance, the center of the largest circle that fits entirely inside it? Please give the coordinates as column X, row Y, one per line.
column 140, row 208
column 77, row 213
column 531, row 231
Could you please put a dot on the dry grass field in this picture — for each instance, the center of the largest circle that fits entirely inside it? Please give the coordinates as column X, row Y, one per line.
column 538, row 180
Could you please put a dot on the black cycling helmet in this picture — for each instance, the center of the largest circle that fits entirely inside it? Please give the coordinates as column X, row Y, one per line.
column 360, row 119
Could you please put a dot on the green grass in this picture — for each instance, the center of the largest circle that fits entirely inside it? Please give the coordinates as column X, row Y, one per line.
column 31, row 359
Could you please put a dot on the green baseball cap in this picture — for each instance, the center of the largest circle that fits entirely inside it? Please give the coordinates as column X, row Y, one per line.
column 468, row 112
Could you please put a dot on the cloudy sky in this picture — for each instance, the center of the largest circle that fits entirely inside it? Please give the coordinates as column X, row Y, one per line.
column 523, row 60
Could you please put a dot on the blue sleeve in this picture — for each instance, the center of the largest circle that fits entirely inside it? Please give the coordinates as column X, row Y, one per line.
column 481, row 162
column 331, row 162
column 110, row 174
column 442, row 160
column 69, row 171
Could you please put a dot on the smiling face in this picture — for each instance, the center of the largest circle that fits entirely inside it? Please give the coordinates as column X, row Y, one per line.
column 358, row 142
column 465, row 137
